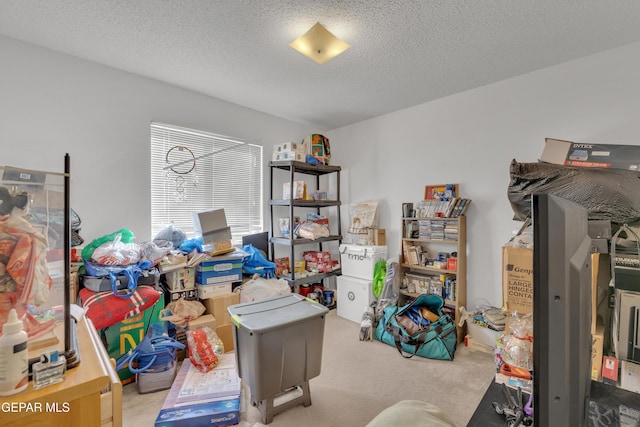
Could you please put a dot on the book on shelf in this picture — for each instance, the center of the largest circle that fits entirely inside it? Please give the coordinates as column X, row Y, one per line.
column 451, row 208
column 458, row 210
column 465, row 207
column 452, row 205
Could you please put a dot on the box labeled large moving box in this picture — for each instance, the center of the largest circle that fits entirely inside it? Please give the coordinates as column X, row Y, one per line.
column 517, row 279
column 570, row 153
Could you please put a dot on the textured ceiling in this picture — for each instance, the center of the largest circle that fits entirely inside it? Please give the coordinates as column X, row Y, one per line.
column 403, row 52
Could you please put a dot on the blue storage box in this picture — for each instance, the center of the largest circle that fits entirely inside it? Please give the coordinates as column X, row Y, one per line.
column 221, row 268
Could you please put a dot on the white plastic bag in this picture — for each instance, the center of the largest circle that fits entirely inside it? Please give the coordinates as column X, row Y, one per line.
column 259, row 288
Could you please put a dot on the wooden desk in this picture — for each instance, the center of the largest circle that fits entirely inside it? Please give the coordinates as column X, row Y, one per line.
column 91, row 394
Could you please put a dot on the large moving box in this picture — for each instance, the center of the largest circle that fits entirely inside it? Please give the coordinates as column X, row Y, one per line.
column 517, row 279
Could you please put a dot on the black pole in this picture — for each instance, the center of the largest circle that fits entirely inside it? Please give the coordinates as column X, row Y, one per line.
column 67, row 254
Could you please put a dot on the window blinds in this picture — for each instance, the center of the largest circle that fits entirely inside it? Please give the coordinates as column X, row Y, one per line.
column 227, row 174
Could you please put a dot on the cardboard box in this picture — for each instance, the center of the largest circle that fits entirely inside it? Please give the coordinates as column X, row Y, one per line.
column 202, row 321
column 218, row 248
column 221, row 268
column 570, row 153
column 517, row 279
column 380, row 237
column 218, row 307
column 318, row 260
column 181, row 279
column 482, row 335
column 597, row 342
column 188, row 294
column 289, row 151
column 212, row 225
column 195, row 398
column 299, row 190
column 225, row 333
column 210, row 291
column 600, row 278
column 172, row 262
column 477, row 346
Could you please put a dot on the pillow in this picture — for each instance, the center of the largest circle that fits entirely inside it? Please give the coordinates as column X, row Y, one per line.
column 105, row 309
column 411, row 413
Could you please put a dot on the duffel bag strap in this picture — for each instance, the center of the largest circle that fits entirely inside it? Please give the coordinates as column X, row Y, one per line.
column 400, row 336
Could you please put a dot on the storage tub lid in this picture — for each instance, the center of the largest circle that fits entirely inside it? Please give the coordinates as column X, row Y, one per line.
column 274, row 312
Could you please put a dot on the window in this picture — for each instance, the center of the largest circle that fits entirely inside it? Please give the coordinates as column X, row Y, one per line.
column 195, row 171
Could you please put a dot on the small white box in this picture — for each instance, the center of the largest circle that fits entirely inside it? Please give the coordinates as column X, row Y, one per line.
column 354, row 297
column 630, row 376
column 210, row 291
column 483, row 335
column 359, row 261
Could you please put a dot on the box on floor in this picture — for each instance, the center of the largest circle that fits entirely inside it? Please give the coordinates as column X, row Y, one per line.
column 196, row 398
column 217, row 306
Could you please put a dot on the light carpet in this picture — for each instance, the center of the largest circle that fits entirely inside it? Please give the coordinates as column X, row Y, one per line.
column 358, row 379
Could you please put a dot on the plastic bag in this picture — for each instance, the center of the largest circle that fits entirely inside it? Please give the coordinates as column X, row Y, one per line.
column 259, row 288
column 155, row 251
column 182, row 311
column 125, row 236
column 611, row 194
column 116, row 252
column 391, row 290
column 256, row 263
column 172, row 234
column 379, row 274
column 311, row 230
column 189, row 245
column 205, row 348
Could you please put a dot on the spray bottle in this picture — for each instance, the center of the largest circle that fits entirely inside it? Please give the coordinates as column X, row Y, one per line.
column 14, row 356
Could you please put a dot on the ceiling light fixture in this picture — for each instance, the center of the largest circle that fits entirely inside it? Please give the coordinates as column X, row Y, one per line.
column 319, row 44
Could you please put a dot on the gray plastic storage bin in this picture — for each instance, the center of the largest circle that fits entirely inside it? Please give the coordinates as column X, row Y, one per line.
column 278, row 344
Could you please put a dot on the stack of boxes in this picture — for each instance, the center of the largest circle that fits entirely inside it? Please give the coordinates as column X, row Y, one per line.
column 313, row 149
column 355, row 285
column 216, row 274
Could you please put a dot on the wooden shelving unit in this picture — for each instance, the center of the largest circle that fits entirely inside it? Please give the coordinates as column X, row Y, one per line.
column 431, row 247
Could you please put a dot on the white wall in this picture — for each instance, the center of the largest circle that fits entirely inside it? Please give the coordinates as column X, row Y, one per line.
column 470, row 138
column 52, row 104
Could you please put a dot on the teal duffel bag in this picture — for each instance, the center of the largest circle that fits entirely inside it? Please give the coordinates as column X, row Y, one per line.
column 437, row 340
